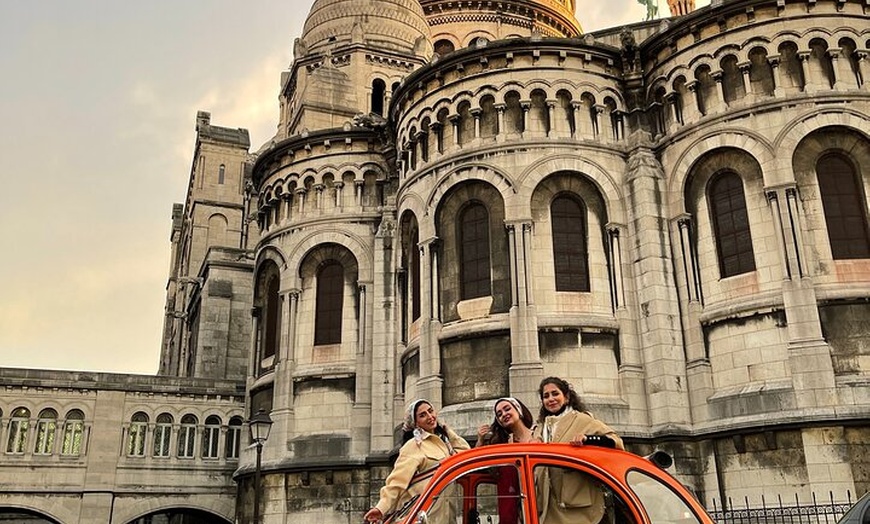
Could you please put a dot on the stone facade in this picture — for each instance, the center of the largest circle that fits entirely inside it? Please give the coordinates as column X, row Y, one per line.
column 722, row 325
column 104, row 448
column 460, row 201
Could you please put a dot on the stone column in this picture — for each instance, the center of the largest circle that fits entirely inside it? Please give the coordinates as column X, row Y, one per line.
column 837, row 62
column 339, row 185
column 745, row 68
column 454, row 121
column 431, row 381
column 378, row 299
column 582, row 121
column 300, row 198
column 358, row 192
column 718, row 76
column 692, row 109
column 810, row 80
column 500, row 132
column 774, row 61
column 526, row 106
column 689, row 259
column 476, row 113
column 663, row 358
column 526, row 369
column 864, row 68
column 672, row 99
column 435, row 130
column 318, row 199
column 617, row 284
column 555, row 123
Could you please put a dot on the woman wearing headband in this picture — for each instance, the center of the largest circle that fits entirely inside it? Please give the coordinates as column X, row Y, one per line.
column 513, row 423
column 428, row 441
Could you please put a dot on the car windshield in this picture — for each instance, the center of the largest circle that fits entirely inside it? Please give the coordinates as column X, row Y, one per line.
column 854, row 513
column 662, row 505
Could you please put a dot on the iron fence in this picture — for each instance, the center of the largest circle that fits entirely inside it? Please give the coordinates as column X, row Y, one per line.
column 781, row 511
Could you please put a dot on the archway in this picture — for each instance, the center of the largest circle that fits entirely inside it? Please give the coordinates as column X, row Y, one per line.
column 180, row 516
column 23, row 516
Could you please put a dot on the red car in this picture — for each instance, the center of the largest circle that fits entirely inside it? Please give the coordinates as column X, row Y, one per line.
column 502, row 485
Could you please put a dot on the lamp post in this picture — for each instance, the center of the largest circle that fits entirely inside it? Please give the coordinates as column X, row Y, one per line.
column 259, row 424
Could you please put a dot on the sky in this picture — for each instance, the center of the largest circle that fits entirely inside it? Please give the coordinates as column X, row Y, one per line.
column 98, row 100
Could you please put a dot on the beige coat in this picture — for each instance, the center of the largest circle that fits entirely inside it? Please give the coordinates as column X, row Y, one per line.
column 413, row 458
column 566, row 496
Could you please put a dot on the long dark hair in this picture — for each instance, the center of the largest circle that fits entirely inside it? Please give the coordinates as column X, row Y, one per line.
column 498, row 434
column 566, row 389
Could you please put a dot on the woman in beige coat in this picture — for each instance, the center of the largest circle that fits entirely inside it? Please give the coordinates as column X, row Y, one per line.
column 566, row 496
column 427, row 442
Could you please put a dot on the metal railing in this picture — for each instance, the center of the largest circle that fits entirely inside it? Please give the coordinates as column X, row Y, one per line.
column 781, row 511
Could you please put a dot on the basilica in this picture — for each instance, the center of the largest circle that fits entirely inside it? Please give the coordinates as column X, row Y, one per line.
column 465, row 197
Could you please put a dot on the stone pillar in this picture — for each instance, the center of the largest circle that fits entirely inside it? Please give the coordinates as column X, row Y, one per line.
column 431, row 381
column 476, row 113
column 719, row 77
column 455, row 121
column 435, row 130
column 810, row 80
column 663, row 358
column 526, row 106
column 841, row 76
column 300, row 198
column 500, row 132
column 582, row 121
column 691, row 109
column 100, row 475
column 745, row 68
column 774, row 61
column 358, row 192
column 864, row 68
column 672, row 99
column 254, row 364
column 318, row 199
column 556, row 126
column 339, row 185
column 526, row 369
column 617, row 284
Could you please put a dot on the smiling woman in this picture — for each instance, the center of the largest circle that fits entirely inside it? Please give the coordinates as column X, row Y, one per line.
column 427, row 442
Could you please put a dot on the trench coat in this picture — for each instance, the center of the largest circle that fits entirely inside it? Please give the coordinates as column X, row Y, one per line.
column 415, row 457
column 566, row 496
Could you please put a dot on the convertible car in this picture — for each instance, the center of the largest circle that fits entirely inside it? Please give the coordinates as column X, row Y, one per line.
column 509, row 484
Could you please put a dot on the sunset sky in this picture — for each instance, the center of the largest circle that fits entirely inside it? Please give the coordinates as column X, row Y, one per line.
column 98, row 100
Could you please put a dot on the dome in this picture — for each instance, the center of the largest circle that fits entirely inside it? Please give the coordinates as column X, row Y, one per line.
column 392, row 25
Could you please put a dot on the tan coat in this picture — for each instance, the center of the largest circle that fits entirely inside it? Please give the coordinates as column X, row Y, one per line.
column 413, row 458
column 566, row 496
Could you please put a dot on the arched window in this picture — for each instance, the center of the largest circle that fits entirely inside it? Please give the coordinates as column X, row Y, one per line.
column 475, row 259
column 570, row 253
column 843, row 202
column 19, row 423
column 415, row 274
column 731, row 225
column 443, row 47
column 73, row 433
column 330, row 301
column 379, row 96
column 187, row 437
column 136, row 436
column 46, row 428
column 234, row 438
column 162, row 435
column 222, row 174
column 273, row 310
column 210, row 437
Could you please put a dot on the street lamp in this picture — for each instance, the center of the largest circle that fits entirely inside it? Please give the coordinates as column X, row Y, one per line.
column 259, row 424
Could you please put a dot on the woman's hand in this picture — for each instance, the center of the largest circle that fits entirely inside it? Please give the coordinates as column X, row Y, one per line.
column 482, row 431
column 579, row 440
column 373, row 515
